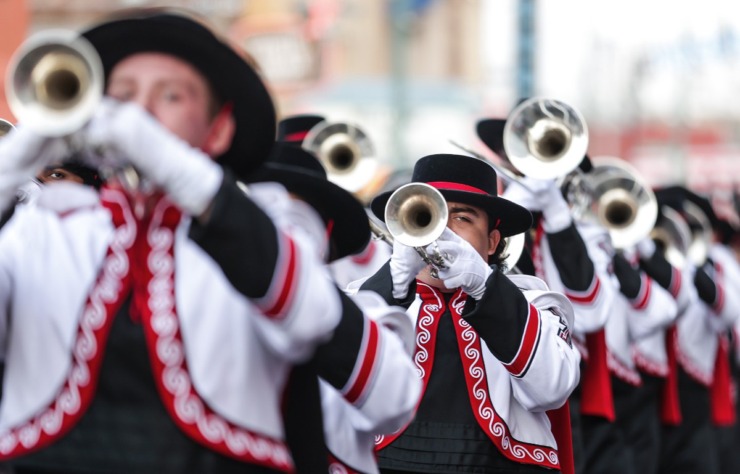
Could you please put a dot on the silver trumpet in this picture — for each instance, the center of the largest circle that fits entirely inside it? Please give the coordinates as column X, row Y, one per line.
column 416, row 215
column 342, row 148
column 54, row 82
column 614, row 195
column 672, row 236
column 5, row 127
column 545, row 138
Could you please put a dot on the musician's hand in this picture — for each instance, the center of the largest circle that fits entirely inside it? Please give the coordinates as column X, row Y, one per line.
column 541, row 195
column 405, row 264
column 131, row 135
column 24, row 153
column 465, row 268
column 646, row 247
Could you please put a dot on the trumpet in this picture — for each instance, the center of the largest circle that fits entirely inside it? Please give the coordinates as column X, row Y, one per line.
column 54, row 82
column 344, row 150
column 700, row 231
column 614, row 195
column 5, row 127
column 416, row 215
column 545, row 138
column 672, row 236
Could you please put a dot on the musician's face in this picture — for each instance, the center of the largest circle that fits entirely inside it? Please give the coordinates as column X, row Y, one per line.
column 53, row 174
column 175, row 93
column 471, row 223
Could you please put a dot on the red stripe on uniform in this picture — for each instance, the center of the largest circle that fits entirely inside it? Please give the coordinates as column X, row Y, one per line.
column 588, row 296
column 286, row 292
column 675, row 285
column 719, row 301
column 642, row 303
column 368, row 363
column 529, row 341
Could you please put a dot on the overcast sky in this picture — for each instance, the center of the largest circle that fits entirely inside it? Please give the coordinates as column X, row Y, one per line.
column 587, row 51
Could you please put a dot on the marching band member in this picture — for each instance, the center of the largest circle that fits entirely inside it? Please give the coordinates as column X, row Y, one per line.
column 573, row 258
column 155, row 329
column 369, row 385
column 494, row 352
column 641, row 309
column 692, row 444
column 360, row 265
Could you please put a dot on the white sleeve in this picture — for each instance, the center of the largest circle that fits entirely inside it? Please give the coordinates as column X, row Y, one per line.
column 550, row 362
column 653, row 309
column 385, row 386
column 592, row 307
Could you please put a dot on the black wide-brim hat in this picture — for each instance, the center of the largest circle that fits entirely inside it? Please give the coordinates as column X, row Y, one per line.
column 491, row 133
column 229, row 74
column 466, row 180
column 293, row 129
column 302, row 174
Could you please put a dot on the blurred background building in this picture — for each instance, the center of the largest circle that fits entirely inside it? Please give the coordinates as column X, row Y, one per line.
column 657, row 82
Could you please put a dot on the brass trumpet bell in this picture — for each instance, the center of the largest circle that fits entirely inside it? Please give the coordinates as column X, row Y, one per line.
column 416, row 214
column 54, row 82
column 5, row 127
column 545, row 138
column 620, row 201
column 513, row 250
column 345, row 151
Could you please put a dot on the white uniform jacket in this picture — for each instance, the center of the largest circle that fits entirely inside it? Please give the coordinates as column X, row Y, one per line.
column 592, row 306
column 381, row 395
column 221, row 359
column 652, row 310
column 509, row 399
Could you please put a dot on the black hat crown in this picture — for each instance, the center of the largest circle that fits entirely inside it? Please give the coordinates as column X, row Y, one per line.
column 294, row 129
column 467, row 180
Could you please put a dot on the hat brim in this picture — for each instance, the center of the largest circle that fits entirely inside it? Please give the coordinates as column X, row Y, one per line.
column 351, row 228
column 230, row 75
column 513, row 218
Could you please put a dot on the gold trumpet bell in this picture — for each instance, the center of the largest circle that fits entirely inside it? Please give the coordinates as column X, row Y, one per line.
column 54, row 82
column 545, row 138
column 346, row 153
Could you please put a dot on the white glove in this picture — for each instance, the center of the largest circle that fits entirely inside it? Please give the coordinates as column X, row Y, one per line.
column 541, row 195
column 405, row 264
column 465, row 268
column 23, row 154
column 128, row 133
column 646, row 247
